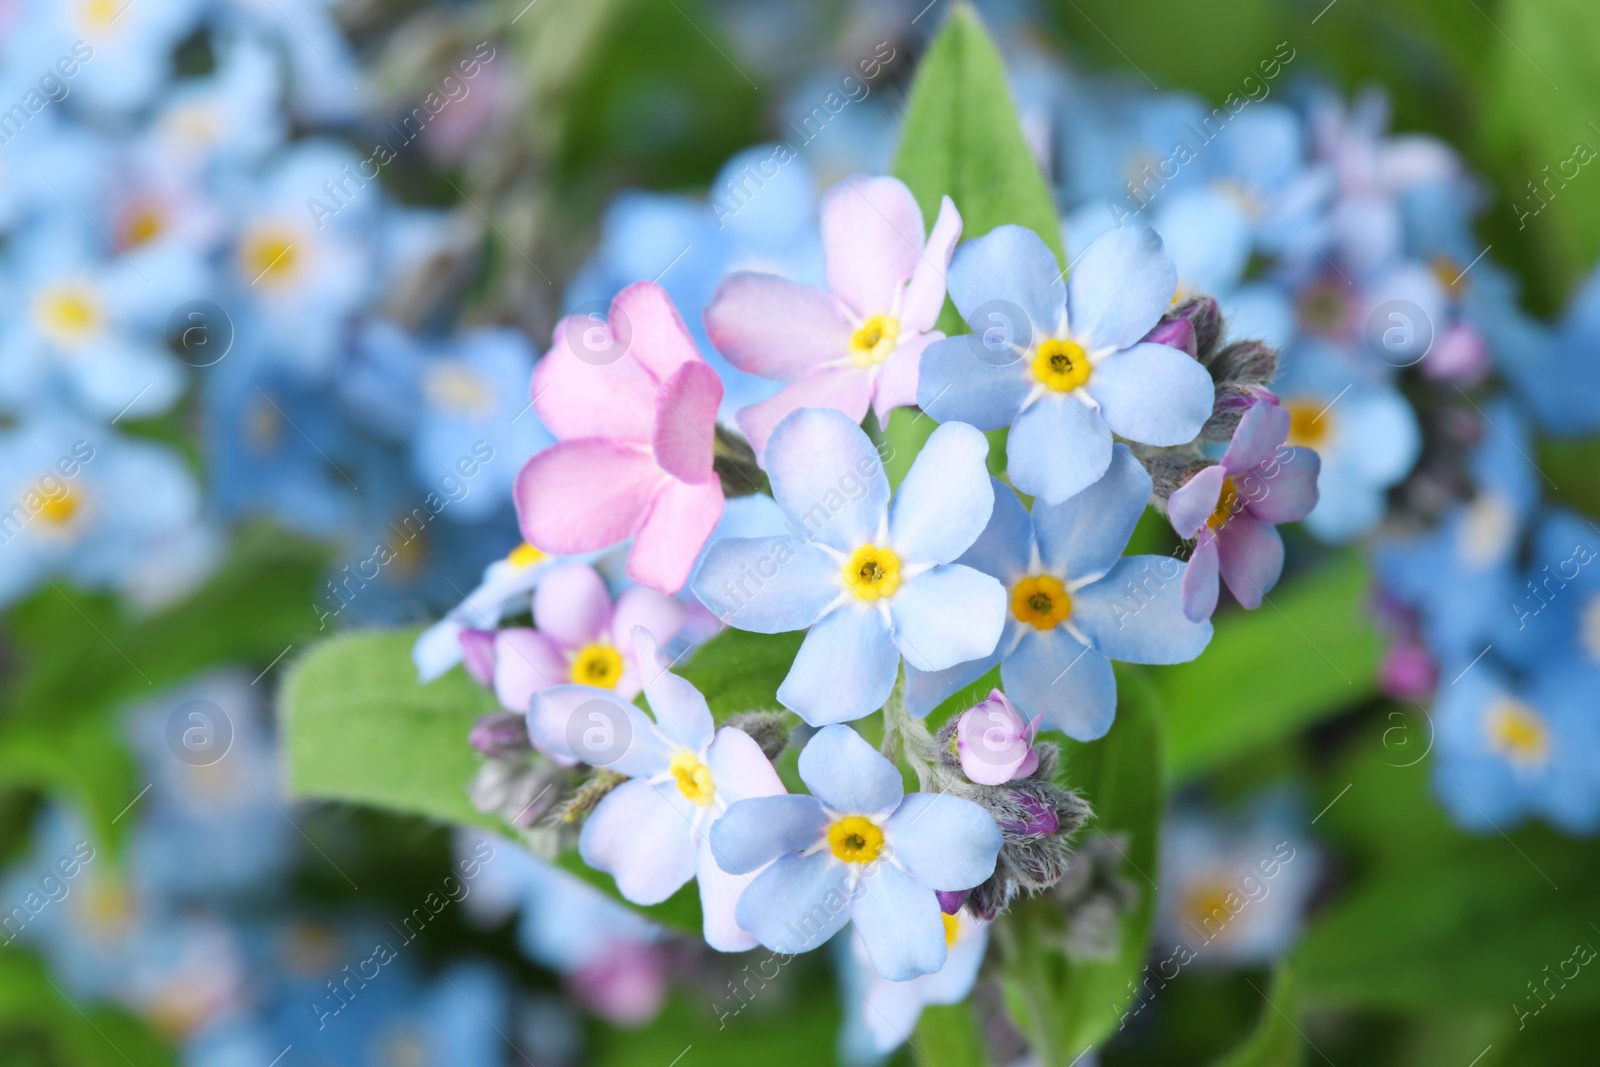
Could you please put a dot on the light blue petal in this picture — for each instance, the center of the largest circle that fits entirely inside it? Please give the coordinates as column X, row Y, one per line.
column 766, row 584
column 1153, row 394
column 899, row 922
column 962, row 380
column 796, row 904
column 680, row 710
column 946, row 498
column 945, row 842
column 1009, row 265
column 848, row 775
column 845, row 668
column 1005, row 548
column 948, row 615
column 827, row 477
column 1057, row 447
column 643, row 837
column 1071, row 686
column 926, row 690
column 1083, row 536
column 597, row 727
column 755, row 831
column 1121, row 286
column 1135, row 613
column 1208, row 237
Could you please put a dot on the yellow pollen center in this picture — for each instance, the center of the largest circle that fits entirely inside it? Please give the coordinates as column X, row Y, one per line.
column 1229, row 504
column 59, row 509
column 525, row 555
column 872, row 573
column 142, row 225
column 1449, row 273
column 1309, row 423
column 268, row 254
column 951, row 927
column 1061, row 365
column 99, row 14
column 875, row 341
column 693, row 778
column 597, row 665
column 456, row 388
column 1205, row 908
column 69, row 314
column 1518, row 732
column 855, row 839
column 1041, row 601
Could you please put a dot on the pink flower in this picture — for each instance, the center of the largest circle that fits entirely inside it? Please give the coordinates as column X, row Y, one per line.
column 581, row 638
column 633, row 406
column 994, row 742
column 859, row 342
column 625, row 985
column 1233, row 507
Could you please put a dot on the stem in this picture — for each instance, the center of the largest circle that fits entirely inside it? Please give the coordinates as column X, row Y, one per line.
column 905, row 736
column 1020, row 947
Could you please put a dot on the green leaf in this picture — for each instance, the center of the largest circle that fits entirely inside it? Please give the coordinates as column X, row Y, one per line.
column 1470, row 928
column 961, row 138
column 358, row 727
column 1307, row 653
column 949, row 1035
column 1544, row 101
column 1069, row 1005
column 741, row 671
column 1276, row 1041
column 101, row 1036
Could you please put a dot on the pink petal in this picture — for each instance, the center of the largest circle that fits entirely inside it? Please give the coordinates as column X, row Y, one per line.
column 872, row 240
column 588, row 385
column 663, row 616
column 1192, row 503
column 925, row 295
column 524, row 663
column 1251, row 556
column 1260, row 432
column 571, row 605
column 1199, row 586
column 686, row 420
column 477, row 652
column 582, row 496
column 847, row 389
column 774, row 327
column 1290, row 490
column 679, row 522
column 659, row 340
column 897, row 380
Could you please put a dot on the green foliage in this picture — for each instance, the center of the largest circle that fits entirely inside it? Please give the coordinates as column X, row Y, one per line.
column 81, row 658
column 358, row 726
column 1065, row 1005
column 949, row 1035
column 1307, row 653
column 1276, row 1041
column 741, row 671
column 31, row 1002
column 961, row 138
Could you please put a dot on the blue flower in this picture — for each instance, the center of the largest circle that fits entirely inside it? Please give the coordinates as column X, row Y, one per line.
column 880, row 1015
column 1365, row 432
column 1062, row 363
column 871, row 582
column 857, row 849
column 1555, row 612
column 1076, row 604
column 1554, row 370
column 1505, row 751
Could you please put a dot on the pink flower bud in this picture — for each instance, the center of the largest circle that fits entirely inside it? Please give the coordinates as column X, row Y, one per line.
column 994, row 742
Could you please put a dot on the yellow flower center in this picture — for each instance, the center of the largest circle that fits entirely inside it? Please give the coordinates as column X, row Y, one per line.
column 59, row 509
column 1205, row 908
column 1518, row 732
column 1309, row 424
column 99, row 14
column 142, row 225
column 1041, row 601
column 456, row 388
column 856, row 839
column 1449, row 273
column 597, row 665
column 1061, row 365
column 69, row 314
column 109, row 908
column 693, row 778
column 951, row 927
column 872, row 573
column 1229, row 504
column 875, row 341
column 1488, row 527
column 267, row 254
column 525, row 555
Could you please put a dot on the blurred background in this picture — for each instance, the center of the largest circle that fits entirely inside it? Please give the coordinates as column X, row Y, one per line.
column 279, row 271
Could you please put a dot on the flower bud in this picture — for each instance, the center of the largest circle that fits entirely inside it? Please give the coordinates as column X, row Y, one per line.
column 950, row 901
column 994, row 742
column 768, row 729
column 502, row 735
